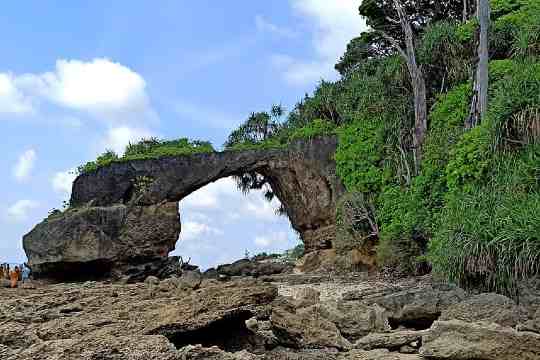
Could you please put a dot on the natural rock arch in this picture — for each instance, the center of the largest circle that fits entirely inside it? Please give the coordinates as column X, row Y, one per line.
column 124, row 217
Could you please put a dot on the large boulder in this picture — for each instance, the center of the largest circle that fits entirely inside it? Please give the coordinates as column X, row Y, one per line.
column 417, row 307
column 125, row 347
column 248, row 267
column 486, row 307
column 458, row 340
column 305, row 327
column 215, row 314
column 89, row 242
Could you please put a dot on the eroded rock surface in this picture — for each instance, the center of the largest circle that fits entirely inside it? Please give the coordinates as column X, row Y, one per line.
column 126, row 213
column 94, row 242
column 458, row 340
column 304, row 318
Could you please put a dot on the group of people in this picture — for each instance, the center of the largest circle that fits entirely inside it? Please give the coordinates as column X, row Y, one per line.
column 18, row 273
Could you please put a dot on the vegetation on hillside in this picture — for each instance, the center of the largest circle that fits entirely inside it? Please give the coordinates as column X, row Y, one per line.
column 440, row 180
column 469, row 205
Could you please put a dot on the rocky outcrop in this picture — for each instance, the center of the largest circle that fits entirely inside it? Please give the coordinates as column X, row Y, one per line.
column 458, row 340
column 245, row 319
column 302, row 176
column 125, row 347
column 249, row 267
column 305, row 327
column 493, row 308
column 94, row 242
column 126, row 213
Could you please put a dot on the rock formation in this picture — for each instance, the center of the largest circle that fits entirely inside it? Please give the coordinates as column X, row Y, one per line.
column 124, row 217
column 291, row 316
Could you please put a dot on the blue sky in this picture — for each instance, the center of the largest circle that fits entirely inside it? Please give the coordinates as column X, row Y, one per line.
column 79, row 77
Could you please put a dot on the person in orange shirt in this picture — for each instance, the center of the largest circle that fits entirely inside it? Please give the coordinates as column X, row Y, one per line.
column 14, row 277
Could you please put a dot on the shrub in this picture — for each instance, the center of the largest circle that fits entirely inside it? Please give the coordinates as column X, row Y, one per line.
column 489, row 237
column 359, row 155
column 104, row 159
column 469, row 160
column 148, row 149
column 517, row 91
column 315, row 128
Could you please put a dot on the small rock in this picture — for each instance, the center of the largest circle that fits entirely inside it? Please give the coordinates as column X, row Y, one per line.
column 151, row 280
column 406, row 349
column 252, row 325
column 190, row 280
column 71, row 308
column 223, row 278
column 389, row 340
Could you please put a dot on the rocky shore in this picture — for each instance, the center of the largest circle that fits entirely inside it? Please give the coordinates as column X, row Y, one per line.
column 272, row 317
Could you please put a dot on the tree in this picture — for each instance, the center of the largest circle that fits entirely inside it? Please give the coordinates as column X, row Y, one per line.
column 479, row 103
column 400, row 34
column 259, row 126
column 369, row 45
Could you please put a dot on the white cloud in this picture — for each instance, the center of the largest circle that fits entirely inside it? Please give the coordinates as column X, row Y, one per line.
column 272, row 240
column 264, row 25
column 117, row 138
column 336, row 23
column 261, row 209
column 62, row 181
column 193, row 230
column 24, row 165
column 12, row 100
column 20, row 210
column 102, row 88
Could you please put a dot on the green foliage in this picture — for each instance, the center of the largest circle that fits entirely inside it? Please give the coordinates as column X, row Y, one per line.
column 402, row 240
column 469, row 159
column 358, row 156
column 446, row 56
column 315, row 128
column 461, row 199
column 465, row 31
column 503, row 7
column 141, row 184
column 489, row 237
column 259, row 128
column 148, row 149
column 104, row 159
column 295, row 253
column 518, row 89
column 452, row 108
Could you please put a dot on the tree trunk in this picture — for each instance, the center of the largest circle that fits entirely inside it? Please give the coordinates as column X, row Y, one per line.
column 479, row 102
column 465, row 10
column 418, row 84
